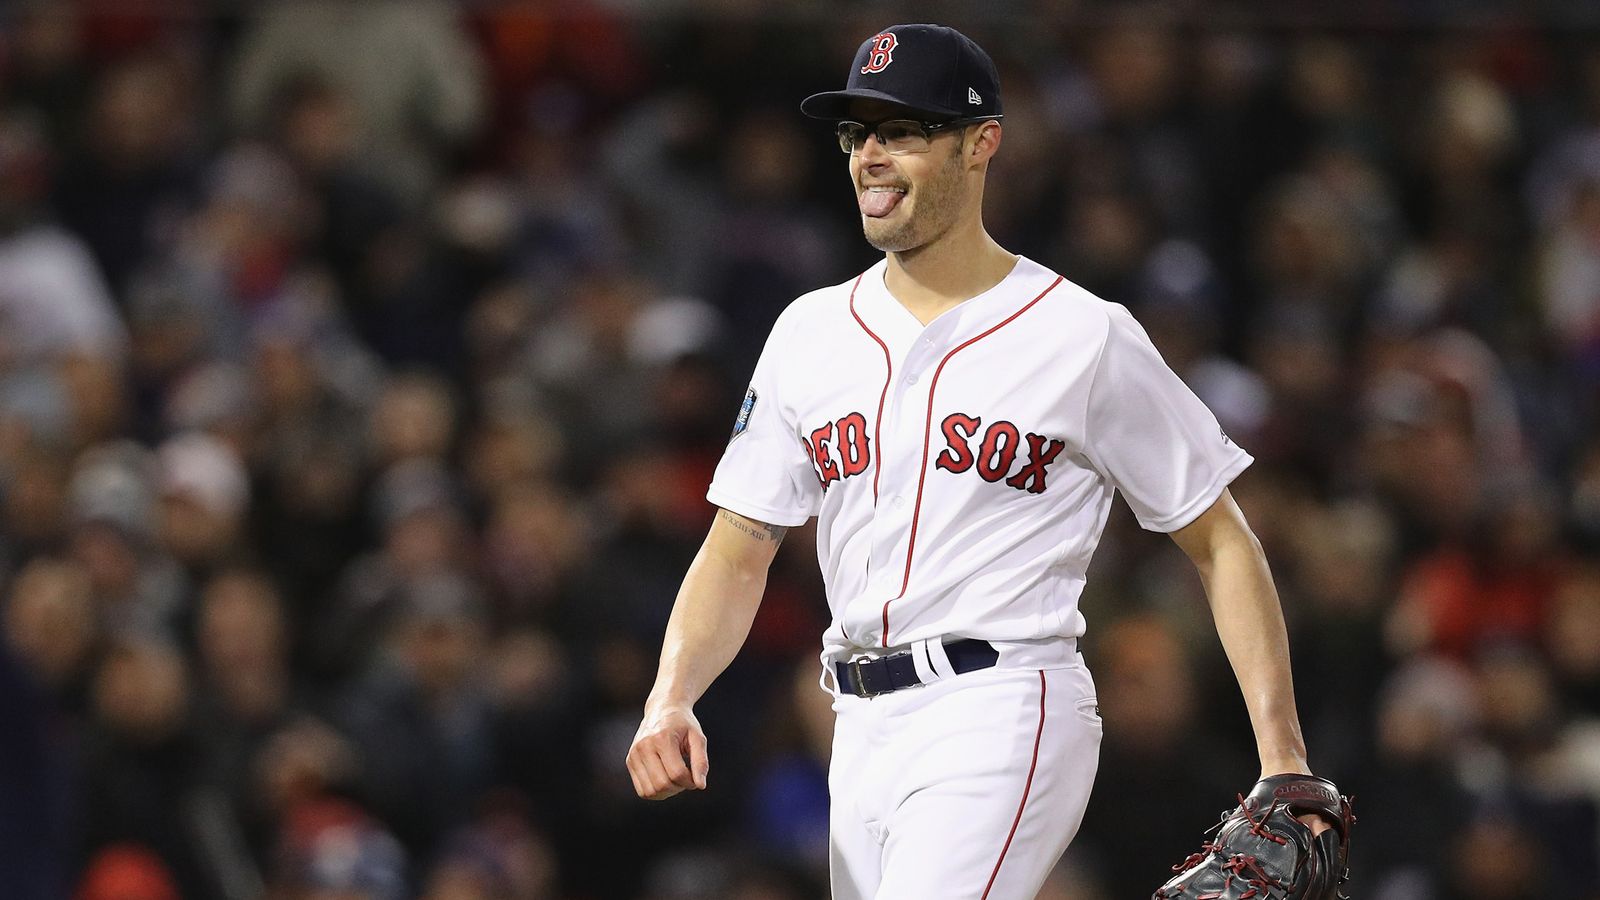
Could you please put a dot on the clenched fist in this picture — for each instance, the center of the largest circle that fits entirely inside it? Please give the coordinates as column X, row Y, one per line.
column 668, row 755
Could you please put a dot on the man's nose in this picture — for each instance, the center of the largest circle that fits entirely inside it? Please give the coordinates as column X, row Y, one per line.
column 872, row 151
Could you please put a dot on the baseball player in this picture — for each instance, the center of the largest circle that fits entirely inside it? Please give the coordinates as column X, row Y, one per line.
column 958, row 419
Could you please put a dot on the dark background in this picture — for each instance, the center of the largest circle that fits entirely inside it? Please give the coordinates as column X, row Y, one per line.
column 362, row 367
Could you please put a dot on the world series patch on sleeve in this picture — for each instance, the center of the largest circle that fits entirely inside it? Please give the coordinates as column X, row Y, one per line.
column 1262, row 851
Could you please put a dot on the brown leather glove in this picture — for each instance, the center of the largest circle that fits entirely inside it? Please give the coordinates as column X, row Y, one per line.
column 1262, row 851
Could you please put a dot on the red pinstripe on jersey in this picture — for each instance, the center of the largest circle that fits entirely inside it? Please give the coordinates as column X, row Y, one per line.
column 1026, row 788
column 927, row 434
column 888, row 376
column 877, row 427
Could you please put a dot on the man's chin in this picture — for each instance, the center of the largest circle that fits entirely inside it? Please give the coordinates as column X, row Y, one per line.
column 885, row 237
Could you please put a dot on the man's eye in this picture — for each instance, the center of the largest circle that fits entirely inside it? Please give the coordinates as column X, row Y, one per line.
column 899, row 132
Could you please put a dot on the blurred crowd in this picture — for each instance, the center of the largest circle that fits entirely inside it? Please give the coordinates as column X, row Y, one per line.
column 363, row 365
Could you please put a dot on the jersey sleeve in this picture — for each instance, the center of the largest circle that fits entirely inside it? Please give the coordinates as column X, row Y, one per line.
column 765, row 472
column 1150, row 436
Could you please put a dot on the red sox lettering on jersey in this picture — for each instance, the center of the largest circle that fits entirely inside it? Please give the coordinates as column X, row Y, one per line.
column 996, row 452
column 842, row 449
column 961, row 471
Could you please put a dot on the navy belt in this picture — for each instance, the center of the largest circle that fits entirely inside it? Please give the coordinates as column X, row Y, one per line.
column 871, row 677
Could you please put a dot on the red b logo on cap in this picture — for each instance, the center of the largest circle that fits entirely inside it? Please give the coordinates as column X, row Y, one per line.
column 882, row 53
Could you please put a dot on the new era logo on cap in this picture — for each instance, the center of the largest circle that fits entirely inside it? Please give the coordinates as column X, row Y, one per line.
column 973, row 98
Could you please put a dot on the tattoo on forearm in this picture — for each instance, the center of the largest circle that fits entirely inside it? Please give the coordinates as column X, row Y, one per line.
column 761, row 531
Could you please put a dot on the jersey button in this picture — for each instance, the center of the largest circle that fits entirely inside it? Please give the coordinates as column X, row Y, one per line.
column 898, row 501
column 912, row 378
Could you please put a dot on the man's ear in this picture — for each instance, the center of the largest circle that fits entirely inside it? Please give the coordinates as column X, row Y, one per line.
column 985, row 141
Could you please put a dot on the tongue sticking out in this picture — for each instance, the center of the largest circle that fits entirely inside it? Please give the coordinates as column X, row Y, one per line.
column 878, row 204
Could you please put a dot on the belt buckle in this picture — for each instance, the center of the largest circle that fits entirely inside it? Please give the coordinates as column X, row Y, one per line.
column 858, row 685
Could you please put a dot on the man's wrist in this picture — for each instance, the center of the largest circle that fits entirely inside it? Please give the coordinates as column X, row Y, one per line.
column 660, row 702
column 1284, row 765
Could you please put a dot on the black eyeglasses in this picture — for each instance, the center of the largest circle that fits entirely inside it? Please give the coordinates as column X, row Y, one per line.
column 898, row 136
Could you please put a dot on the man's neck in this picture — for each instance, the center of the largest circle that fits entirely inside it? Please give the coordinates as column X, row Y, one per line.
column 955, row 268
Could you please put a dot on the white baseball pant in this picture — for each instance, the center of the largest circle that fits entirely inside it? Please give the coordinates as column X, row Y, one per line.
column 968, row 788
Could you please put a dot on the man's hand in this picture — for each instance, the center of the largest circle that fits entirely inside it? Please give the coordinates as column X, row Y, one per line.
column 1316, row 823
column 668, row 755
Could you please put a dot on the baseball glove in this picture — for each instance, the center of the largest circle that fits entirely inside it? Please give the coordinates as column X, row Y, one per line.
column 1262, row 851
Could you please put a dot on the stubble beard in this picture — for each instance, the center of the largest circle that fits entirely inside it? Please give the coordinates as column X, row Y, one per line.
column 938, row 203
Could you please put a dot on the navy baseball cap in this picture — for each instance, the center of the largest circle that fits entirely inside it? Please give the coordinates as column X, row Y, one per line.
column 931, row 69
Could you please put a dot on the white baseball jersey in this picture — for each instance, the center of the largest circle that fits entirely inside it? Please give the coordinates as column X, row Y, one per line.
column 962, row 471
